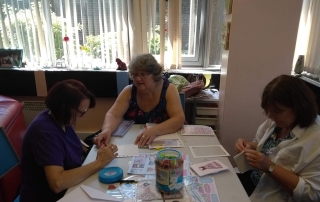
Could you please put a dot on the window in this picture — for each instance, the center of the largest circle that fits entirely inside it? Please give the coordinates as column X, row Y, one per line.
column 92, row 34
column 308, row 39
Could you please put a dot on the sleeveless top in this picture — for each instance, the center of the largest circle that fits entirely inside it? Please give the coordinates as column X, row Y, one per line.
column 157, row 115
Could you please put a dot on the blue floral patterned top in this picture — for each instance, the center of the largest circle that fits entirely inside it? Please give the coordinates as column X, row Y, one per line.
column 156, row 115
column 268, row 147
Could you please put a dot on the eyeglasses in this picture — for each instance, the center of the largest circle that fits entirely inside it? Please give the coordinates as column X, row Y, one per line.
column 141, row 75
column 82, row 113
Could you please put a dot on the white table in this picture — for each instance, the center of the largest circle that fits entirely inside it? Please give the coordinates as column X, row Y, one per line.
column 228, row 185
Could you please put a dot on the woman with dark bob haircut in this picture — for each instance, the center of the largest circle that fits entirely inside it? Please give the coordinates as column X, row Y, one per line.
column 285, row 153
column 51, row 150
column 150, row 99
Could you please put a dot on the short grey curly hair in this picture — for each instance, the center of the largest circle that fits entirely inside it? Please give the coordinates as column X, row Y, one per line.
column 146, row 63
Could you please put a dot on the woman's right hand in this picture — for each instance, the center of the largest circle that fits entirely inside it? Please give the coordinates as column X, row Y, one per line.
column 102, row 139
column 106, row 154
column 241, row 144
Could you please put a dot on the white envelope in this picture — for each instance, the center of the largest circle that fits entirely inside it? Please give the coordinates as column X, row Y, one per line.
column 242, row 162
column 84, row 193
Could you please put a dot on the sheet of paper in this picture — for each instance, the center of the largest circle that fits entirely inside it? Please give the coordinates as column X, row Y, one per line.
column 126, row 150
column 208, row 167
column 197, row 130
column 170, row 136
column 208, row 151
column 143, row 164
column 83, row 193
column 164, row 141
column 203, row 189
column 242, row 162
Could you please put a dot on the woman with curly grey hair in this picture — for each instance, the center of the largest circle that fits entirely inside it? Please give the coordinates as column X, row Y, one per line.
column 150, row 99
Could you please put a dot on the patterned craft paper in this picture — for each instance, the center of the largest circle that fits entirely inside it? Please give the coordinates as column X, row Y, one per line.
column 197, row 130
column 143, row 164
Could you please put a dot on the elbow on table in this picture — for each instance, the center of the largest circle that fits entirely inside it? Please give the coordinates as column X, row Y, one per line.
column 56, row 187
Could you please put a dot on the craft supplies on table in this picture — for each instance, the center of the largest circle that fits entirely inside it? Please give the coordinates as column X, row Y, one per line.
column 110, row 175
column 169, row 171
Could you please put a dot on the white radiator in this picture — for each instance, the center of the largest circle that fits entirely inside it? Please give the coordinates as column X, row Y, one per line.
column 31, row 109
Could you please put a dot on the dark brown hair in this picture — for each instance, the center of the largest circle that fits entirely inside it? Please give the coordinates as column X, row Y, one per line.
column 291, row 92
column 64, row 97
column 147, row 63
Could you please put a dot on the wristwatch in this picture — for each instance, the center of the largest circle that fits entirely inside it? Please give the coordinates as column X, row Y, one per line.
column 271, row 168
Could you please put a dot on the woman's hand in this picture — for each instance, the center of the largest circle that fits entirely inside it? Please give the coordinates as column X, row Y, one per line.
column 145, row 138
column 102, row 139
column 241, row 144
column 106, row 154
column 258, row 160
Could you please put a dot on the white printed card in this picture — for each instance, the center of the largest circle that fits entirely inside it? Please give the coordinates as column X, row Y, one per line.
column 208, row 167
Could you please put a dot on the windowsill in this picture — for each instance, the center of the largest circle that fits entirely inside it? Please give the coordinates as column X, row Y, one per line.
column 57, row 69
column 311, row 81
column 214, row 70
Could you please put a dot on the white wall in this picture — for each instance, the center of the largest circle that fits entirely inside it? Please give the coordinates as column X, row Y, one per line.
column 262, row 43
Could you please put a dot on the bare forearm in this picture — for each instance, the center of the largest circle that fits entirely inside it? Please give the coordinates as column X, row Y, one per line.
column 110, row 123
column 70, row 178
column 170, row 126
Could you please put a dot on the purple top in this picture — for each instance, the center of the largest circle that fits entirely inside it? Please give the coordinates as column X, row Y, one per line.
column 45, row 143
column 158, row 114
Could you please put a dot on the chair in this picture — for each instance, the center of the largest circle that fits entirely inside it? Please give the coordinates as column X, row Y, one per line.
column 9, row 159
column 8, row 156
column 182, row 99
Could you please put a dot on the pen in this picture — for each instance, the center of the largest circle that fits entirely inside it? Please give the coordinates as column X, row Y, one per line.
column 126, row 181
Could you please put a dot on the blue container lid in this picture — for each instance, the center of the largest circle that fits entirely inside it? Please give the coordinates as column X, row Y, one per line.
column 110, row 175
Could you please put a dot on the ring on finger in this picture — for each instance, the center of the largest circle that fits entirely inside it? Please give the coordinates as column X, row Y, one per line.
column 143, row 136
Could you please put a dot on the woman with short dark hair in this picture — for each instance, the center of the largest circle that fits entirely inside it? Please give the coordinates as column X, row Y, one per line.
column 285, row 153
column 51, row 150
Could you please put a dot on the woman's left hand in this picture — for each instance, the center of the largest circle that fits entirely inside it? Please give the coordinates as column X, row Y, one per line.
column 145, row 138
column 258, row 160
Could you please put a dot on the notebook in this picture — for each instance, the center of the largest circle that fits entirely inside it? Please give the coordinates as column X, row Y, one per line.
column 123, row 128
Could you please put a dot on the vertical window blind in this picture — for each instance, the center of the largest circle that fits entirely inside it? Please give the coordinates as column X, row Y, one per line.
column 89, row 34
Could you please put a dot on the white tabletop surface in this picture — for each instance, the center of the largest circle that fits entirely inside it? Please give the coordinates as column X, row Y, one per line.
column 228, row 185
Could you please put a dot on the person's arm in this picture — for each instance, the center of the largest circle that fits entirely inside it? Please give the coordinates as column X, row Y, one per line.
column 60, row 179
column 286, row 178
column 173, row 124
column 114, row 117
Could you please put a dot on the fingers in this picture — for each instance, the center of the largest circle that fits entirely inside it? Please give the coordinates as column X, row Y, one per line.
column 101, row 139
column 137, row 140
column 113, row 148
column 240, row 145
column 142, row 140
column 97, row 140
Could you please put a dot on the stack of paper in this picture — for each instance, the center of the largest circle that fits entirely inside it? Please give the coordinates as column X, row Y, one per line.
column 197, row 130
column 168, row 140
